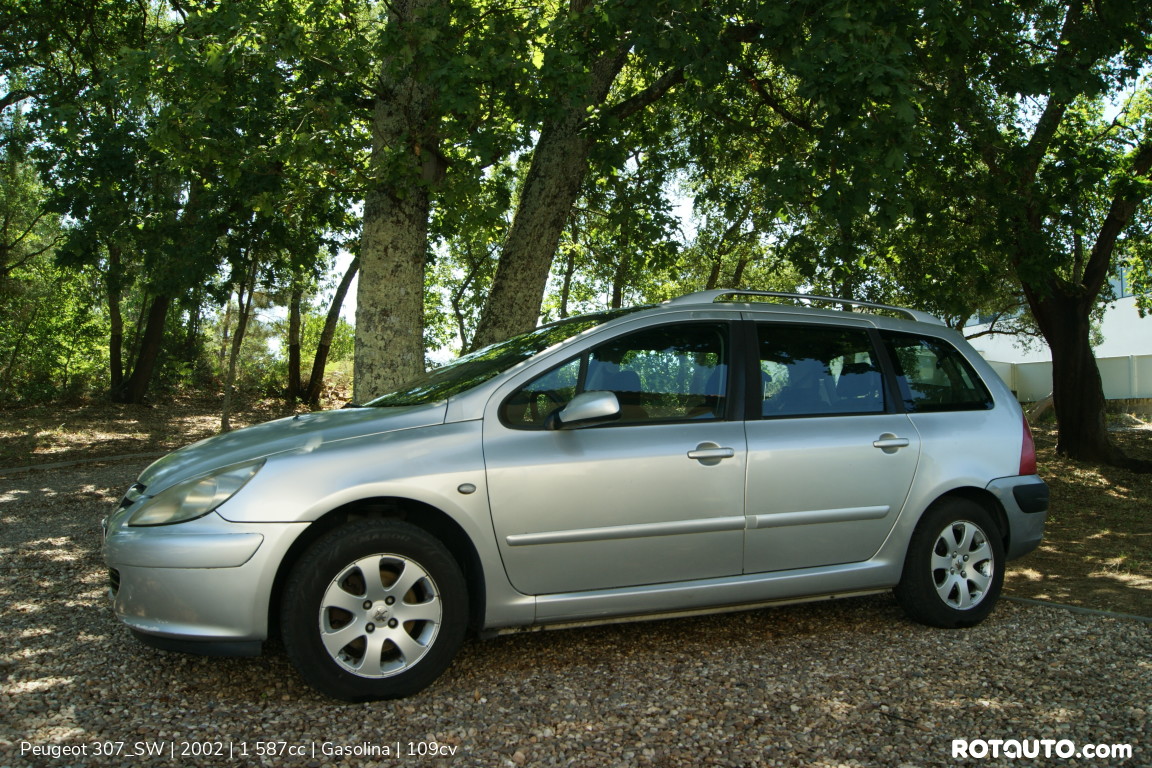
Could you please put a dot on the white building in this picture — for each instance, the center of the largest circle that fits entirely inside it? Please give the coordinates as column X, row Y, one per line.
column 1124, row 356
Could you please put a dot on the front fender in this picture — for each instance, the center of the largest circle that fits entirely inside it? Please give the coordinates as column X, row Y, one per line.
column 441, row 466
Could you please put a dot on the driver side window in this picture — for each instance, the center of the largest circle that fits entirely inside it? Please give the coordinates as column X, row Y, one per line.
column 528, row 408
column 669, row 374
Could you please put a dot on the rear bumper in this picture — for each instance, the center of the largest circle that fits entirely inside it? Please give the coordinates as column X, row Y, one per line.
column 1025, row 502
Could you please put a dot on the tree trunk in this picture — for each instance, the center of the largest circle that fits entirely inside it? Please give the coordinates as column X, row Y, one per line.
column 390, row 294
column 462, row 290
column 225, row 330
column 1063, row 312
column 714, row 273
column 294, row 390
column 115, row 322
column 621, row 274
column 244, row 294
column 559, row 164
column 738, row 273
column 1077, row 389
column 311, row 394
column 135, row 387
column 550, row 189
column 566, row 286
column 394, row 245
column 191, row 348
column 552, row 186
column 1039, row 409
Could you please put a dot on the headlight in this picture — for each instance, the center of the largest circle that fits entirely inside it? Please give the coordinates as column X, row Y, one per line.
column 195, row 497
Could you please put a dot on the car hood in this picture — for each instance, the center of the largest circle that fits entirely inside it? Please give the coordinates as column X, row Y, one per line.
column 302, row 433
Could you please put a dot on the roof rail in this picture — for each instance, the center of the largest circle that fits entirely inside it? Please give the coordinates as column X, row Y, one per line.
column 709, row 297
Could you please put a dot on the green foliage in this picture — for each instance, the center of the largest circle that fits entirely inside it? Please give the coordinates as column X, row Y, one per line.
column 27, row 230
column 342, row 342
column 52, row 343
column 959, row 158
column 621, row 238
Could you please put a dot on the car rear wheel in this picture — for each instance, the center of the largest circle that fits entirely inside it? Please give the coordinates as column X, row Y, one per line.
column 954, row 570
column 375, row 609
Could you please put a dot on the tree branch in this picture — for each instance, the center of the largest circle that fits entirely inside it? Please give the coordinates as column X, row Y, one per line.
column 773, row 102
column 1057, row 106
column 646, row 97
column 13, row 97
column 1120, row 214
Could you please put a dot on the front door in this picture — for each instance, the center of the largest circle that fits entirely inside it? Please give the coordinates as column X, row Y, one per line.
column 655, row 497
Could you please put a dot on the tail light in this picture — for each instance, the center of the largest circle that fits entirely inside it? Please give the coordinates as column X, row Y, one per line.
column 1027, row 451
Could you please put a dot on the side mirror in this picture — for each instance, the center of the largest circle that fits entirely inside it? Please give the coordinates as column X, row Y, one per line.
column 587, row 409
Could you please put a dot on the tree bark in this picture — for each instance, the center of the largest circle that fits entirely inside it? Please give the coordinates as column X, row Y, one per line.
column 135, row 387
column 1078, row 399
column 621, row 274
column 559, row 164
column 394, row 245
column 311, row 394
column 115, row 322
column 738, row 273
column 225, row 330
column 566, row 285
column 551, row 188
column 1063, row 312
column 294, row 390
column 1077, row 390
column 244, row 293
column 714, row 273
column 191, row 345
column 458, row 296
column 1062, row 306
column 390, row 293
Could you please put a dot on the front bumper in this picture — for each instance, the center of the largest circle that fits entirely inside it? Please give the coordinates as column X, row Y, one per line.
column 202, row 586
column 1025, row 502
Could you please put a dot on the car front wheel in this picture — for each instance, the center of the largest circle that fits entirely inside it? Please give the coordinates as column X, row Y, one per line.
column 375, row 609
column 954, row 570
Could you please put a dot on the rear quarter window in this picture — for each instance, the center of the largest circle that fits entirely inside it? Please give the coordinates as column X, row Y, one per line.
column 933, row 375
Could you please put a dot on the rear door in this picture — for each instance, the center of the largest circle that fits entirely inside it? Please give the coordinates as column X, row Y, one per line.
column 830, row 459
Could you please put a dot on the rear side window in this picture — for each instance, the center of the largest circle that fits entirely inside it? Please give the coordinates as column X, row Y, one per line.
column 933, row 376
column 818, row 371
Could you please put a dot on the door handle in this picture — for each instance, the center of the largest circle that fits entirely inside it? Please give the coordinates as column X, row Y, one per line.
column 710, row 453
column 889, row 443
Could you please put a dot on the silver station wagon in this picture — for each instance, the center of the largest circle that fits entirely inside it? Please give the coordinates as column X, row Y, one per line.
column 723, row 450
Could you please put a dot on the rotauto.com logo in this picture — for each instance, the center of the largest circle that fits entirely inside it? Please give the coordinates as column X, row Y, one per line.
column 1012, row 749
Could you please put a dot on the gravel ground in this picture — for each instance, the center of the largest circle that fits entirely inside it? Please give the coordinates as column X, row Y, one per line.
column 847, row 683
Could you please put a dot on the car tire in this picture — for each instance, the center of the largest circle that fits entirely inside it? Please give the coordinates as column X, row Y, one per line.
column 954, row 569
column 374, row 609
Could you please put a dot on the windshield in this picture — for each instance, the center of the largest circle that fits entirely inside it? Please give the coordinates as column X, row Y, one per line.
column 474, row 369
